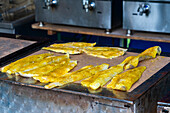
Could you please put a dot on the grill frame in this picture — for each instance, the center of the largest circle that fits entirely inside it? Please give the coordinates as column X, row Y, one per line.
column 142, row 99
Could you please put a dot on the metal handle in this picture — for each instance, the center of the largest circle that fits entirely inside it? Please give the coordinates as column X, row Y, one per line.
column 144, row 8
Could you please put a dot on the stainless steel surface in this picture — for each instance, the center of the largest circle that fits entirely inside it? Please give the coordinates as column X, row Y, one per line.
column 146, row 15
column 13, row 24
column 104, row 14
column 21, row 99
column 14, row 13
column 163, row 107
column 9, row 31
column 10, row 27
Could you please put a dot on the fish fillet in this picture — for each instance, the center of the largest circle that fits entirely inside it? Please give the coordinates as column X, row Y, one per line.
column 147, row 54
column 76, row 44
column 125, row 80
column 105, row 52
column 43, row 63
column 43, row 70
column 77, row 75
column 69, row 50
column 58, row 72
column 102, row 77
column 13, row 67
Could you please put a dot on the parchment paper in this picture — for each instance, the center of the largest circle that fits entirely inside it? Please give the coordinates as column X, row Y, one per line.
column 152, row 65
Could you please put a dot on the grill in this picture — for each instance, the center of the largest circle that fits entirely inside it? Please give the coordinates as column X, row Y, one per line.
column 104, row 14
column 14, row 13
column 146, row 15
column 18, row 96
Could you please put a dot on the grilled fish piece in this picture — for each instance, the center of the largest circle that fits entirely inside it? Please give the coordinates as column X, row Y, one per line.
column 69, row 50
column 76, row 44
column 43, row 70
column 125, row 80
column 43, row 62
column 58, row 80
column 58, row 72
column 77, row 75
column 105, row 52
column 13, row 67
column 102, row 77
column 151, row 52
column 147, row 54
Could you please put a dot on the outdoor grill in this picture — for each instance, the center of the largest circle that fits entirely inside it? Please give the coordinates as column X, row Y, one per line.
column 14, row 13
column 19, row 95
column 104, row 14
column 146, row 15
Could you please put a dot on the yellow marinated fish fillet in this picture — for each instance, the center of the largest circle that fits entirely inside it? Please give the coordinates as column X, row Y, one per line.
column 58, row 80
column 102, row 77
column 58, row 72
column 147, row 54
column 105, row 52
column 151, row 52
column 13, row 67
column 125, row 80
column 43, row 70
column 77, row 75
column 69, row 50
column 76, row 44
column 43, row 62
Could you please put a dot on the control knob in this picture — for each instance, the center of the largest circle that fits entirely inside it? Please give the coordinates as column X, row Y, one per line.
column 144, row 9
column 49, row 3
column 87, row 5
